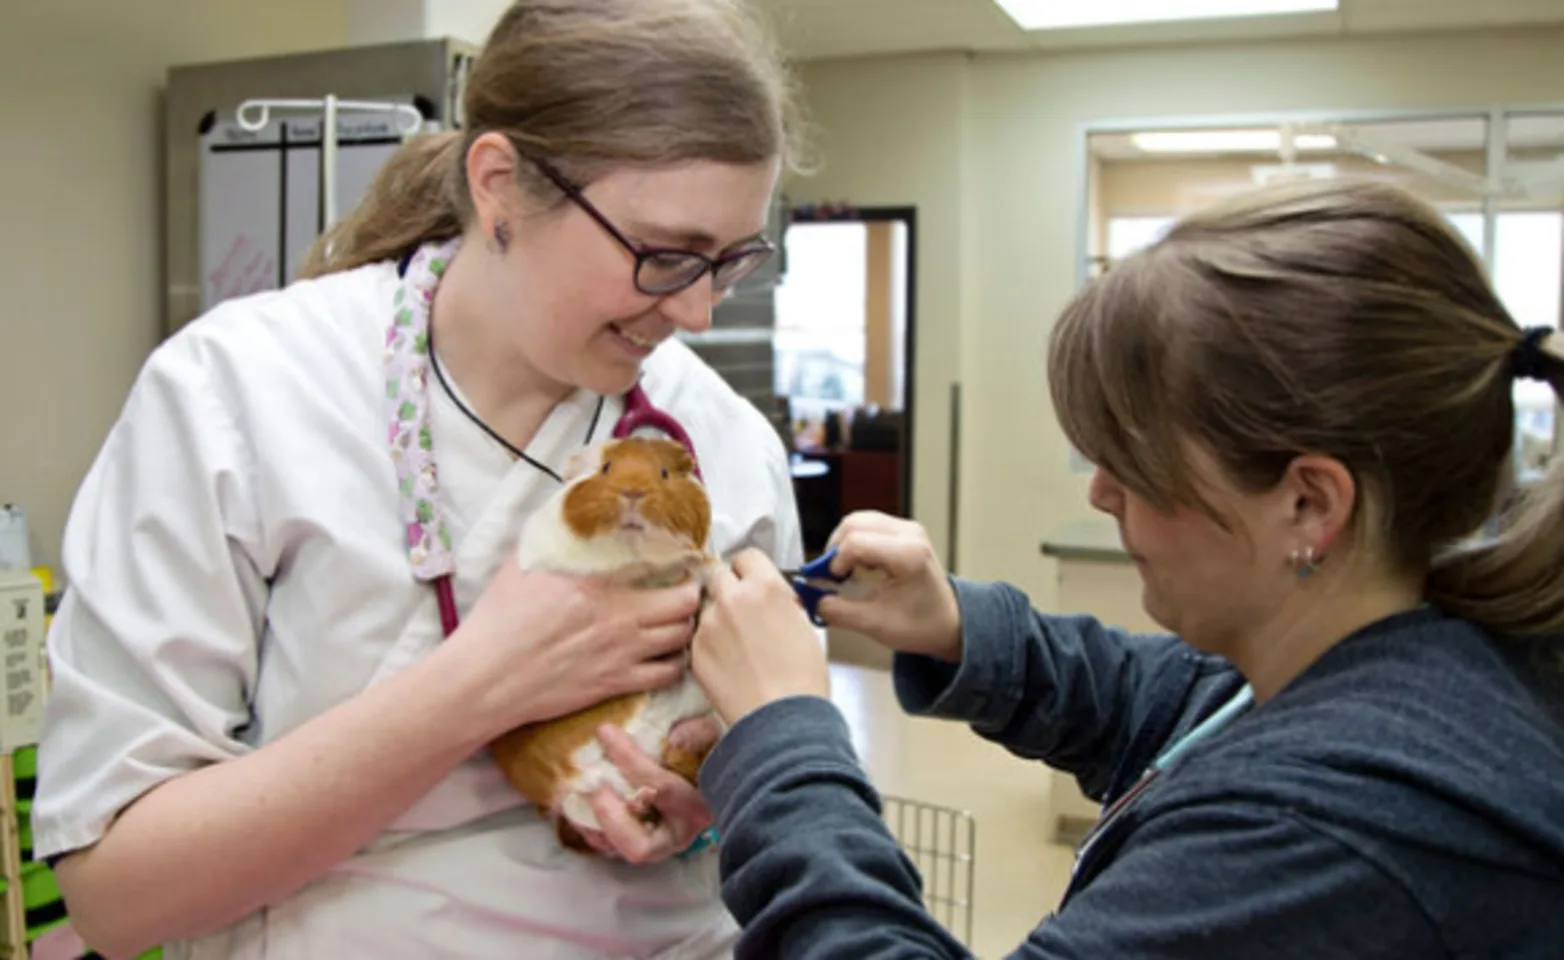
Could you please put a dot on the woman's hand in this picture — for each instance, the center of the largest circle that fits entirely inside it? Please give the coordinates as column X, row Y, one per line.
column 681, row 811
column 913, row 608
column 553, row 643
column 755, row 644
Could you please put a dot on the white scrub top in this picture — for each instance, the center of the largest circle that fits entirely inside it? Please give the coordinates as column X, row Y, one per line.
column 235, row 566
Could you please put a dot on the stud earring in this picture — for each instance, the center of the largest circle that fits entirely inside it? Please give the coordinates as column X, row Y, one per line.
column 1304, row 562
column 502, row 235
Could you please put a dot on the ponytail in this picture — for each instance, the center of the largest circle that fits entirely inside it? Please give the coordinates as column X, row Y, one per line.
column 1513, row 584
column 415, row 198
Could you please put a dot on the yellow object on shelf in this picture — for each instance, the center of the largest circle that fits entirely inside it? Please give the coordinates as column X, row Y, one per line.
column 45, row 576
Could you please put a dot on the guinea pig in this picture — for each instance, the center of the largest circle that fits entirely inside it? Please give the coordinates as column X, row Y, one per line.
column 633, row 511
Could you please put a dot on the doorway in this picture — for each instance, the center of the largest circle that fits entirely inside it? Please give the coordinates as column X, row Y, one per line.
column 845, row 329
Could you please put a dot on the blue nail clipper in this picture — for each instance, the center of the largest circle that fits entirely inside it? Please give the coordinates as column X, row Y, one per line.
column 814, row 580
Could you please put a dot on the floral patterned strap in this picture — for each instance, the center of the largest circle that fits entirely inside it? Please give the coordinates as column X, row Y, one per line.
column 428, row 537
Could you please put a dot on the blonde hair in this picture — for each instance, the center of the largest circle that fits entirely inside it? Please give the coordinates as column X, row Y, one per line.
column 1341, row 318
column 587, row 85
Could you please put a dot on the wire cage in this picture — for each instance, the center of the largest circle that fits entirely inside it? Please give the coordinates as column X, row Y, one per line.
column 942, row 844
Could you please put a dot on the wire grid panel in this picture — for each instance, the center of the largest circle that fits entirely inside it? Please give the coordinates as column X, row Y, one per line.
column 942, row 843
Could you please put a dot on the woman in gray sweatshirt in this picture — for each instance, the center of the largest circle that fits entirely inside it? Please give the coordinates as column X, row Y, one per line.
column 1350, row 741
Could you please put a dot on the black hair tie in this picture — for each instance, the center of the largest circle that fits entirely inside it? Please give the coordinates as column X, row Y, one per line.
column 1528, row 358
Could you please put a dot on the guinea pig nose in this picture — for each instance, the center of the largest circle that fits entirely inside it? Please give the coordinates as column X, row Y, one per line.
column 632, row 494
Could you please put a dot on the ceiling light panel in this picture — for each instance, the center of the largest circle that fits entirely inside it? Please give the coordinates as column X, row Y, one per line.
column 1074, row 14
column 1225, row 141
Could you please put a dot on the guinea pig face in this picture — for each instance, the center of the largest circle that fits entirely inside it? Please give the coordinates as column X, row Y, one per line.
column 639, row 486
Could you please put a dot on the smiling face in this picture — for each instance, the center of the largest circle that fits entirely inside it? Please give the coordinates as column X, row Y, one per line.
column 563, row 293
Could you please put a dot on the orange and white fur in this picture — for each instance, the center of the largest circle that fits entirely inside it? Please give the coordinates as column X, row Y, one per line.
column 633, row 511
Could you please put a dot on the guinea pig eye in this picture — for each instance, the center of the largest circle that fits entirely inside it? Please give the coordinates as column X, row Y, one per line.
column 605, row 469
column 665, row 473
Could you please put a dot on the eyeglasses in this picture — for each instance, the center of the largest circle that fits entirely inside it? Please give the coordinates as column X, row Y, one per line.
column 660, row 271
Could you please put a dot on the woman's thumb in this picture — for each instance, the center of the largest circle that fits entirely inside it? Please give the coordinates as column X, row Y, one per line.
column 850, row 610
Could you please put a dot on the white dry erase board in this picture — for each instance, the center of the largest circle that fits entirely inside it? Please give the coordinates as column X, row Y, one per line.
column 260, row 193
column 21, row 659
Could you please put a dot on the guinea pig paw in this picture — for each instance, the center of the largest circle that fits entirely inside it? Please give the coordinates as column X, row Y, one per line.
column 640, row 804
column 696, row 735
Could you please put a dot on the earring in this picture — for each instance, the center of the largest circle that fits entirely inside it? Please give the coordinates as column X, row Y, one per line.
column 1304, row 562
column 502, row 235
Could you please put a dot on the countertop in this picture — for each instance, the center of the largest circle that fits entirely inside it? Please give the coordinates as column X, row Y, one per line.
column 1085, row 540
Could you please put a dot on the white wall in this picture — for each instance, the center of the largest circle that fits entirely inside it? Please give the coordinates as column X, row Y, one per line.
column 469, row 20
column 387, row 21
column 990, row 150
column 384, row 21
column 80, row 234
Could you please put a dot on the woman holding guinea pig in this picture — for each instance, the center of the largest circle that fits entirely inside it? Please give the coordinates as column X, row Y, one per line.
column 294, row 619
column 1351, row 741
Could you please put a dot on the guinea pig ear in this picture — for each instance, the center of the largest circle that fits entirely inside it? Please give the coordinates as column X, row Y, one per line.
column 583, row 462
column 679, row 458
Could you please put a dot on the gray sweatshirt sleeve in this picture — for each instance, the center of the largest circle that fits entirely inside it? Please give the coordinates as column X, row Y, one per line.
column 1083, row 697
column 808, row 867
column 811, row 873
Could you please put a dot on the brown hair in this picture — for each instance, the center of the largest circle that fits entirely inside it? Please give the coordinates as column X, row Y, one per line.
column 1343, row 318
column 587, row 85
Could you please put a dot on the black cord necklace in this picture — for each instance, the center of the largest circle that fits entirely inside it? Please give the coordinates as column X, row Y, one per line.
column 434, row 363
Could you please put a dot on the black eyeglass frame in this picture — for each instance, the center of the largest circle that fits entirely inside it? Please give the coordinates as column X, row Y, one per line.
column 757, row 251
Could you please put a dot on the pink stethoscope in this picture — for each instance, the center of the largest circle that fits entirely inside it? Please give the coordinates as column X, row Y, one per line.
column 639, row 414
